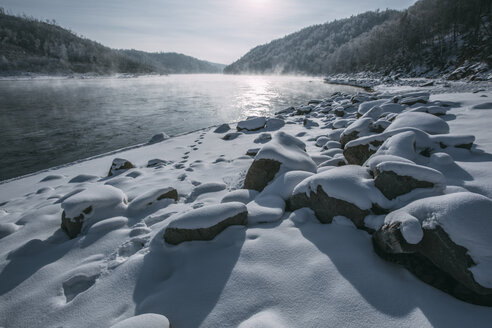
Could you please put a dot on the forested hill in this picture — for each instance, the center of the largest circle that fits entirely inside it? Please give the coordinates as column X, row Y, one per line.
column 28, row 45
column 430, row 37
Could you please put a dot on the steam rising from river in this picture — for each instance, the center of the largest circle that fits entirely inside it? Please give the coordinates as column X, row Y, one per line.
column 48, row 122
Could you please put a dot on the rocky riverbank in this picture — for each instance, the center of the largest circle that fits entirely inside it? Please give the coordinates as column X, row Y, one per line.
column 350, row 209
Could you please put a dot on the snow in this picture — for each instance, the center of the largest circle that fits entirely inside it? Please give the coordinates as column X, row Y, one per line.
column 464, row 216
column 423, row 121
column 148, row 320
column 240, row 195
column 350, row 183
column 375, row 160
column 98, row 197
column 366, row 106
column 207, row 216
column 289, row 151
column 283, row 269
column 142, row 202
column 418, row 172
column 265, row 208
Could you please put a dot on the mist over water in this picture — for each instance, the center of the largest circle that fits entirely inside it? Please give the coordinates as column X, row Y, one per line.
column 44, row 123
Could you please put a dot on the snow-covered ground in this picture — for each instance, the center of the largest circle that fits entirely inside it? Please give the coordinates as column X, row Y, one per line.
column 281, row 269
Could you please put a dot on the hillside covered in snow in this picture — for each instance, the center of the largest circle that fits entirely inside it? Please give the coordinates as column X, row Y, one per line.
column 368, row 209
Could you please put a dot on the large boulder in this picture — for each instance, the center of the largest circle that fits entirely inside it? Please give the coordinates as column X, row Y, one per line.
column 205, row 222
column 348, row 191
column 119, row 165
column 445, row 241
column 156, row 198
column 95, row 203
column 359, row 128
column 284, row 153
column 252, row 124
column 422, row 121
column 399, row 178
column 358, row 151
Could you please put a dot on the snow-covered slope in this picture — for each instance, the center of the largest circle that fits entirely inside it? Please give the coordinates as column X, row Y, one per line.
column 290, row 272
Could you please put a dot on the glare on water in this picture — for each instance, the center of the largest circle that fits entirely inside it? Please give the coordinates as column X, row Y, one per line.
column 48, row 122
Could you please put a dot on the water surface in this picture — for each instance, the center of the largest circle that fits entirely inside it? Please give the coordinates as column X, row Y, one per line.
column 48, row 122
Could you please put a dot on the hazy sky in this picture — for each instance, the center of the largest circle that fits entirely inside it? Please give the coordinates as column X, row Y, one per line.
column 215, row 30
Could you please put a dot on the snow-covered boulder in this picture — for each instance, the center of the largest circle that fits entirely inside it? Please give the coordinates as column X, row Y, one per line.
column 399, row 178
column 95, row 202
column 423, row 121
column 359, row 128
column 147, row 320
column 359, row 150
column 284, row 153
column 205, row 188
column 348, row 191
column 265, row 208
column 368, row 105
column 446, row 241
column 252, row 124
column 205, row 222
column 240, row 195
column 119, row 165
column 160, row 197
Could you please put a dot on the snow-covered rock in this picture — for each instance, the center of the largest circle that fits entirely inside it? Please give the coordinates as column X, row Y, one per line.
column 119, row 165
column 284, row 153
column 348, row 191
column 399, row 178
column 423, row 121
column 453, row 233
column 252, row 124
column 159, row 197
column 205, row 222
column 94, row 202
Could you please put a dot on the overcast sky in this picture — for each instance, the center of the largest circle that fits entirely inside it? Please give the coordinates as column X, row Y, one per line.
column 215, row 30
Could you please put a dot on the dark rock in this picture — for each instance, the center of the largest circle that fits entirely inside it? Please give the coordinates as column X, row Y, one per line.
column 171, row 194
column 119, row 165
column 360, row 153
column 260, row 173
column 339, row 112
column 231, row 136
column 393, row 185
column 252, row 151
column 176, row 236
column 222, row 128
column 346, row 138
column 73, row 226
column 158, row 138
column 436, row 260
column 326, row 207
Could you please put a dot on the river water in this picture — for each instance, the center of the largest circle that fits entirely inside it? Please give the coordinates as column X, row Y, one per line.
column 48, row 122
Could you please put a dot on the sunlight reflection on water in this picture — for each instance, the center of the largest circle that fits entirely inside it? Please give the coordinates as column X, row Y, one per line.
column 49, row 122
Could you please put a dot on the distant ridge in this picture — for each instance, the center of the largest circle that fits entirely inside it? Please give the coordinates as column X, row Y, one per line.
column 28, row 46
column 430, row 37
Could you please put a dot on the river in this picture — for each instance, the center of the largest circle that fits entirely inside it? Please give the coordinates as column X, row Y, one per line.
column 52, row 121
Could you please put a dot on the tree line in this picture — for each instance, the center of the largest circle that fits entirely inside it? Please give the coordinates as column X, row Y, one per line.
column 28, row 45
column 431, row 35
